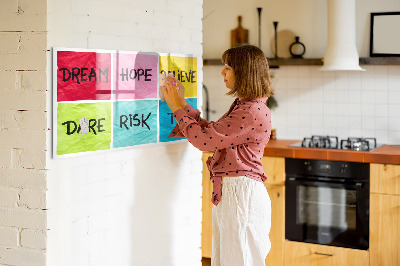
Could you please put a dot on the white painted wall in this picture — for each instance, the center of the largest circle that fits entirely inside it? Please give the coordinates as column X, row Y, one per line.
column 304, row 18
column 140, row 206
column 311, row 102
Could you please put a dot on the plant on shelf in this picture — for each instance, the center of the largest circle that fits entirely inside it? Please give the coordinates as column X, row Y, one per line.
column 271, row 102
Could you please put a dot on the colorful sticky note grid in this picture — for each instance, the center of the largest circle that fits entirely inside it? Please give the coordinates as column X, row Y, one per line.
column 108, row 99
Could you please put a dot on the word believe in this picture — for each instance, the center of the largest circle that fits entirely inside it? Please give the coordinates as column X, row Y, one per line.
column 181, row 75
column 83, row 74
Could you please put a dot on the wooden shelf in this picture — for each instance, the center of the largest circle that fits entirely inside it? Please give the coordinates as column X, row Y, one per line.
column 212, row 62
column 380, row 61
column 274, row 63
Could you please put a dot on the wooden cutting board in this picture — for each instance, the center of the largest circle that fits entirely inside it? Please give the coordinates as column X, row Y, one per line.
column 239, row 35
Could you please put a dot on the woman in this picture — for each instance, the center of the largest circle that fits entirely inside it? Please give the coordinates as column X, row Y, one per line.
column 242, row 208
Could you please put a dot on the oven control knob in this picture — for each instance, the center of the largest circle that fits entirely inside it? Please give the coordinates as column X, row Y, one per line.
column 308, row 166
column 343, row 168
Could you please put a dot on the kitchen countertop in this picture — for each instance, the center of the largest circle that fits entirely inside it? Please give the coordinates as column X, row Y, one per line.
column 389, row 154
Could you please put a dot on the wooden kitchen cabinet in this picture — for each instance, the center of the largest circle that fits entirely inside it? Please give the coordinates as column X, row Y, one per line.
column 277, row 233
column 206, row 225
column 274, row 168
column 385, row 178
column 305, row 254
column 384, row 237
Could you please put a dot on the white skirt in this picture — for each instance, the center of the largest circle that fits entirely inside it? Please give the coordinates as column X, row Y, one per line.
column 241, row 223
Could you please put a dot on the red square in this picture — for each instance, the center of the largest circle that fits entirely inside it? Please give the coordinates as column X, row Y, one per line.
column 83, row 76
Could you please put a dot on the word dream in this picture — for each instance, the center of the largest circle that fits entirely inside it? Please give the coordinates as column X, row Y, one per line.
column 110, row 99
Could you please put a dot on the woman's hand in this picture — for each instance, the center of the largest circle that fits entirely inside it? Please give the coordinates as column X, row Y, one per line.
column 174, row 93
column 181, row 91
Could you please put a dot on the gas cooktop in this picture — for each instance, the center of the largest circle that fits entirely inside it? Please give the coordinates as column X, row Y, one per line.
column 332, row 142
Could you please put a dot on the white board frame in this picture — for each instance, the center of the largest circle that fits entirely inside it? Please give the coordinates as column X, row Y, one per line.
column 111, row 149
column 384, row 34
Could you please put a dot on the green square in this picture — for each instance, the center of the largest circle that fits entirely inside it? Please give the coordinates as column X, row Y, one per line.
column 95, row 133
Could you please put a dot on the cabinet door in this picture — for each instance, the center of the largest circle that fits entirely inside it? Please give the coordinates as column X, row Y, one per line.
column 384, row 236
column 274, row 168
column 304, row 254
column 277, row 233
column 206, row 225
column 385, row 178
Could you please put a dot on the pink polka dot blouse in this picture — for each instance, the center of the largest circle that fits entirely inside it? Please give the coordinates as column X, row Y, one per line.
column 238, row 139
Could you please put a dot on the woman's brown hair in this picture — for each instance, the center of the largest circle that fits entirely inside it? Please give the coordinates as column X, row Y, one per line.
column 250, row 66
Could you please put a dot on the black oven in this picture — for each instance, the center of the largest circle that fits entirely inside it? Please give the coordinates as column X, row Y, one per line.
column 327, row 202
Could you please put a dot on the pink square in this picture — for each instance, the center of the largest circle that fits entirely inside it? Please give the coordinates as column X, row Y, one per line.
column 135, row 76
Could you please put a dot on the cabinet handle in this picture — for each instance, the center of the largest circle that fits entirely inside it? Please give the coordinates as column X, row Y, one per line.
column 324, row 254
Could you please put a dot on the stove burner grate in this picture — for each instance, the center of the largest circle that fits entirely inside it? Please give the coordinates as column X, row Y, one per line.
column 358, row 144
column 327, row 142
column 332, row 142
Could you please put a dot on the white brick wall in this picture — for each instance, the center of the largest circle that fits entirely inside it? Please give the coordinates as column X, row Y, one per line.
column 139, row 206
column 9, row 197
column 34, row 239
column 23, row 132
column 9, row 237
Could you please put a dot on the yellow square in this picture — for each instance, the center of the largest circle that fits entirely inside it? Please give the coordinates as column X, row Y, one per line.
column 184, row 69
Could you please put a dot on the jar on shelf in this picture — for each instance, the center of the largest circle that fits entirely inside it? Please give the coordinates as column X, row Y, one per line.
column 297, row 49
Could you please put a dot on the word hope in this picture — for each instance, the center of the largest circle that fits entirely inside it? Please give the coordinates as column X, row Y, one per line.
column 135, row 73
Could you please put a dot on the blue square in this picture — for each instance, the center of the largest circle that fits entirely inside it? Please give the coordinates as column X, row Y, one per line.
column 135, row 123
column 168, row 122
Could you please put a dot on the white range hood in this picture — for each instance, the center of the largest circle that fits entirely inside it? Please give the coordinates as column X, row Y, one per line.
column 341, row 51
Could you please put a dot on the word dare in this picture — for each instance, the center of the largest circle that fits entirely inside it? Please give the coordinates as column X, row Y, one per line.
column 73, row 127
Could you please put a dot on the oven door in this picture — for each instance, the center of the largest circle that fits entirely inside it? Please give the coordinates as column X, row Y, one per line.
column 327, row 213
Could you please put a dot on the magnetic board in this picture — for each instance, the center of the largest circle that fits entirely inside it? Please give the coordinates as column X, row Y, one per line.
column 109, row 99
